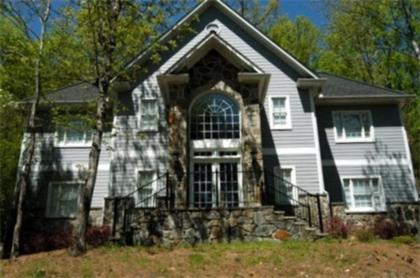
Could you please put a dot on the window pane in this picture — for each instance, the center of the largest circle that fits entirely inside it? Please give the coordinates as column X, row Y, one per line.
column 149, row 114
column 279, row 113
column 352, row 125
column 145, row 184
column 363, row 201
column 63, row 199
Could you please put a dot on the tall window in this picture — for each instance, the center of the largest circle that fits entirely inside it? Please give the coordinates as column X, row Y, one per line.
column 75, row 133
column 215, row 117
column 284, row 190
column 62, row 199
column 363, row 194
column 146, row 184
column 280, row 112
column 353, row 126
column 149, row 114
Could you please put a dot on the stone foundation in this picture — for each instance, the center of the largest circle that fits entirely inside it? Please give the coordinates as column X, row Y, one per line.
column 408, row 213
column 147, row 226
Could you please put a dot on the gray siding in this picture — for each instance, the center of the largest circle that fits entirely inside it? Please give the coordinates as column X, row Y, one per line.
column 53, row 163
column 386, row 156
column 130, row 143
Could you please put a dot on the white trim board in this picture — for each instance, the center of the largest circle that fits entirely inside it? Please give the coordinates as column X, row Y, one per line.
column 317, row 146
column 291, row 150
column 363, row 162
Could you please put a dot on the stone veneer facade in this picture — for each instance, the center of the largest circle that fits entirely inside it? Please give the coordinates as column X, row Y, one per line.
column 214, row 74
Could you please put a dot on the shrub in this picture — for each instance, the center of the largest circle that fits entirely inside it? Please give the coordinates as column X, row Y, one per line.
column 387, row 228
column 364, row 235
column 404, row 239
column 46, row 240
column 337, row 228
column 98, row 235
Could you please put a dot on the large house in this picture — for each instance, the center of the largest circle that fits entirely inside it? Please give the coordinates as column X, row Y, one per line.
column 228, row 120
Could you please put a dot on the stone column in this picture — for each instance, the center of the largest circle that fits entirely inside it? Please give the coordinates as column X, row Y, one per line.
column 252, row 156
column 178, row 152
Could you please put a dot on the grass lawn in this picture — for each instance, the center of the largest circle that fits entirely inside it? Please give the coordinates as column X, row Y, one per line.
column 253, row 259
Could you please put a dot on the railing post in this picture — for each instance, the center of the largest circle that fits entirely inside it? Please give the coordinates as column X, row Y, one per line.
column 309, row 215
column 167, row 190
column 217, row 188
column 321, row 224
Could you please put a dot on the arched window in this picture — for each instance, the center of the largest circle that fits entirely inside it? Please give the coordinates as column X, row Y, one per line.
column 215, row 116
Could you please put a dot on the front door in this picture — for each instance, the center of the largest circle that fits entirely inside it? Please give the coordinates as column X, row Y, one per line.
column 215, row 184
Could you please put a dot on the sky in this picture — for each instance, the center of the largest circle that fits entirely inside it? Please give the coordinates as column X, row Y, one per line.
column 312, row 9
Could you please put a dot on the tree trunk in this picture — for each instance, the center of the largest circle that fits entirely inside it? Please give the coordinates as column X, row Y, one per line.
column 107, row 14
column 24, row 175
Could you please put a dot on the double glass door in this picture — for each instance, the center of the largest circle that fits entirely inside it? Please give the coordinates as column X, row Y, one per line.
column 215, row 184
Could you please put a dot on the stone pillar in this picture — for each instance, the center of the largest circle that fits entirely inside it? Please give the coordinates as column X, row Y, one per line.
column 178, row 152
column 252, row 157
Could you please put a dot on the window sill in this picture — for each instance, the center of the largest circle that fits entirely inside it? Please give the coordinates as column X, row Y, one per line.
column 366, row 210
column 281, row 128
column 73, row 145
column 355, row 141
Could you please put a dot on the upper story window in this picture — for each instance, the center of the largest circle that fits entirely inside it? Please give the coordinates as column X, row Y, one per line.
column 63, row 199
column 363, row 194
column 353, row 126
column 280, row 113
column 149, row 114
column 215, row 116
column 76, row 133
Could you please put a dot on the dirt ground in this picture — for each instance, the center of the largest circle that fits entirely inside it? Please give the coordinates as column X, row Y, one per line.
column 256, row 259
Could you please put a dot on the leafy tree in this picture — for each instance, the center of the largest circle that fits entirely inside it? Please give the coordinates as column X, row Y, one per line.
column 377, row 41
column 301, row 38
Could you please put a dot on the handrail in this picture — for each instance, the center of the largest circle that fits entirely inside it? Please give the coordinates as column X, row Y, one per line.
column 144, row 185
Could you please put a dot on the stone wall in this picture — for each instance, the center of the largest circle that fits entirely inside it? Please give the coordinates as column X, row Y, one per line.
column 408, row 213
column 147, row 226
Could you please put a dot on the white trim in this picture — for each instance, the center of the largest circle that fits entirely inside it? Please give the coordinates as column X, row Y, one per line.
column 288, row 124
column 216, row 144
column 291, row 150
column 364, row 209
column 363, row 162
column 408, row 155
column 317, row 146
column 266, row 40
column 156, row 127
column 258, row 35
column 49, row 198
column 362, row 139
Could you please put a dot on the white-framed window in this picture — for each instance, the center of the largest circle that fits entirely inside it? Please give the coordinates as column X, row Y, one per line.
column 75, row 134
column 280, row 117
column 353, row 126
column 146, row 188
column 284, row 190
column 149, row 114
column 363, row 194
column 63, row 198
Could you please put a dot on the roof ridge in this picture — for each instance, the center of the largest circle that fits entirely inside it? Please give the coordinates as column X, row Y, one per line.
column 362, row 82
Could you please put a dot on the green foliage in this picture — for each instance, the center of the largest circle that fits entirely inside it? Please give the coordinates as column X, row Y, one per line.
column 299, row 37
column 404, row 240
column 364, row 235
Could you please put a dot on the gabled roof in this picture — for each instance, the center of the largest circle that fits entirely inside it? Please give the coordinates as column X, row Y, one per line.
column 341, row 87
column 245, row 25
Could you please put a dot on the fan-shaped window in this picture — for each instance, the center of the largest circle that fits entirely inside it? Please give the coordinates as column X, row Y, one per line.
column 215, row 117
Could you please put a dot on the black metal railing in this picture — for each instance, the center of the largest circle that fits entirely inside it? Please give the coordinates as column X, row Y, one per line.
column 224, row 191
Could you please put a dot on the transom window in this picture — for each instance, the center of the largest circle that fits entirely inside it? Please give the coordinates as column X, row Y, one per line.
column 280, row 112
column 149, row 114
column 63, row 199
column 215, row 116
column 363, row 194
column 75, row 133
column 353, row 126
